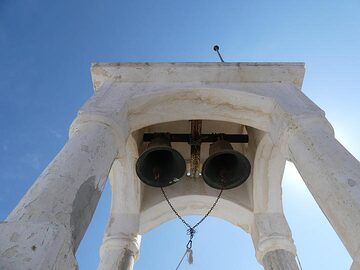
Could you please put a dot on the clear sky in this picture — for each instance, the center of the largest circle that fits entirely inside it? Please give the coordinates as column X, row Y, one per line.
column 46, row 48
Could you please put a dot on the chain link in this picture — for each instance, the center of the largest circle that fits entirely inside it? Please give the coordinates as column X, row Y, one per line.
column 191, row 229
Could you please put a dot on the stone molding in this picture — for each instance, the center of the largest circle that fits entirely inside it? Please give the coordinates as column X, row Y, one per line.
column 120, row 242
column 121, row 132
column 270, row 232
column 269, row 164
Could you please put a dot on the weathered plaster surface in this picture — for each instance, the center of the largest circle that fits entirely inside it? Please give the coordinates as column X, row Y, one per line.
column 46, row 227
column 355, row 265
column 121, row 242
column 332, row 175
column 262, row 99
column 270, row 232
column 280, row 260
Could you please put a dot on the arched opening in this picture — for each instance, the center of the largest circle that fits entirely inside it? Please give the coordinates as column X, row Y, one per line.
column 218, row 244
column 192, row 195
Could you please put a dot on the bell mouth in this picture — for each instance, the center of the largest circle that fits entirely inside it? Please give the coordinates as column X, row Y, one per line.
column 226, row 169
column 160, row 166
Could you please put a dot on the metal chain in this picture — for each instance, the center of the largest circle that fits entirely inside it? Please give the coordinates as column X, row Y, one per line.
column 191, row 229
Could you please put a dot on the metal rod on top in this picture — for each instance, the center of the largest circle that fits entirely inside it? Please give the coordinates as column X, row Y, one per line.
column 216, row 49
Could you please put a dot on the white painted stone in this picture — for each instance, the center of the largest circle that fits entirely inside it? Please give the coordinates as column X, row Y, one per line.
column 355, row 266
column 119, row 252
column 270, row 232
column 121, row 243
column 261, row 99
column 46, row 227
column 332, row 175
column 280, row 260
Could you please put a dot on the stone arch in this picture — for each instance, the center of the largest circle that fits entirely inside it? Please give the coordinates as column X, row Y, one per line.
column 195, row 204
column 269, row 165
column 229, row 105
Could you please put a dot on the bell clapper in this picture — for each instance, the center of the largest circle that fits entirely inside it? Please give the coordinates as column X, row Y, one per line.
column 156, row 173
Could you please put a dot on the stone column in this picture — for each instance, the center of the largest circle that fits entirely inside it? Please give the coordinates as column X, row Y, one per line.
column 273, row 243
column 121, row 242
column 279, row 259
column 355, row 266
column 332, row 175
column 121, row 250
column 46, row 227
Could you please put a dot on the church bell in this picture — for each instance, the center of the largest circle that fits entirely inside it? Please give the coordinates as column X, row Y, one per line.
column 225, row 168
column 160, row 165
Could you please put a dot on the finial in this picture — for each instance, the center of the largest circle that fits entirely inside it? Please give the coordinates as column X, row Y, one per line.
column 216, row 49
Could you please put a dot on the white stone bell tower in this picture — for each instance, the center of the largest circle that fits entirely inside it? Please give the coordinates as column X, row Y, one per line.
column 262, row 100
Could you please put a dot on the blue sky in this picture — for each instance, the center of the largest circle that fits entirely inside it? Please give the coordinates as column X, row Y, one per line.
column 46, row 49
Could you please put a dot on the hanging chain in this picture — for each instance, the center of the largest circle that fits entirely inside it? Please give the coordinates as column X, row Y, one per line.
column 191, row 229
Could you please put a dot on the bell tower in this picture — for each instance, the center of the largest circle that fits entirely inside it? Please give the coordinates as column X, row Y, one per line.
column 191, row 129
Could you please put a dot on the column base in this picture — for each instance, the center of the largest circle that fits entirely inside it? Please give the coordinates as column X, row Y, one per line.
column 35, row 246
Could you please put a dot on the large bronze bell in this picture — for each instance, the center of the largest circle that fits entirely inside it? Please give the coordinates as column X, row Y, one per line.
column 225, row 168
column 160, row 165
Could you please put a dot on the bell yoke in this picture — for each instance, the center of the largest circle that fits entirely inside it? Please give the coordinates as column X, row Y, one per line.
column 160, row 165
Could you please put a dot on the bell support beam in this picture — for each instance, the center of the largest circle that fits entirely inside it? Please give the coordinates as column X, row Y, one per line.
column 274, row 246
column 46, row 227
column 203, row 138
column 332, row 175
column 196, row 126
column 121, row 242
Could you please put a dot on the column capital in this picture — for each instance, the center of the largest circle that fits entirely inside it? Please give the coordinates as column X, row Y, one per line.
column 286, row 126
column 270, row 232
column 120, row 129
column 303, row 122
column 121, row 242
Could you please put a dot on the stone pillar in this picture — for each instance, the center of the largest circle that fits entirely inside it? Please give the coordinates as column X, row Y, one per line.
column 121, row 243
column 273, row 243
column 46, row 227
column 120, row 251
column 279, row 259
column 332, row 175
column 355, row 266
